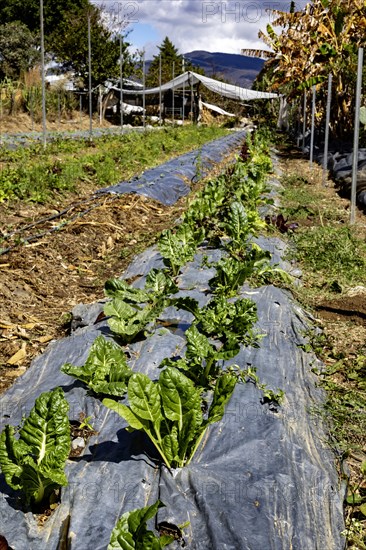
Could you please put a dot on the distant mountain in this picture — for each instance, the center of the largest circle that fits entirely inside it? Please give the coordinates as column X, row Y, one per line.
column 236, row 69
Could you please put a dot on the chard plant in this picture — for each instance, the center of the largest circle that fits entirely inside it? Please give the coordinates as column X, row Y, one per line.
column 34, row 462
column 169, row 411
column 244, row 265
column 231, row 274
column 179, row 247
column 252, row 193
column 158, row 283
column 131, row 531
column 203, row 361
column 127, row 318
column 240, row 223
column 204, row 208
column 105, row 370
column 228, row 321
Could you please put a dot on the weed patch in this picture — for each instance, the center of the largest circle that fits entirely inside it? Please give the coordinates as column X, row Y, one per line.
column 332, row 256
column 333, row 252
column 37, row 175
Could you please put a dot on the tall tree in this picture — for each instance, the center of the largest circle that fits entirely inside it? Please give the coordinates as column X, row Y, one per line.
column 27, row 12
column 321, row 39
column 18, row 50
column 70, row 45
column 66, row 36
column 169, row 55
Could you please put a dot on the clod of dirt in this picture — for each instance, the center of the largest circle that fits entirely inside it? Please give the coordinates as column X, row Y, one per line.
column 351, row 308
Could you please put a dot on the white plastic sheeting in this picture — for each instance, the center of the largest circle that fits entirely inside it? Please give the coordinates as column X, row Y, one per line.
column 129, row 109
column 216, row 109
column 190, row 78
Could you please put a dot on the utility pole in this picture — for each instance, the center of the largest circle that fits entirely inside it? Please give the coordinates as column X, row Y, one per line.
column 160, row 99
column 173, row 94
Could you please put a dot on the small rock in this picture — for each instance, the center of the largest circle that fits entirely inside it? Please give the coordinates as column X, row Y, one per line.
column 78, row 443
column 356, row 291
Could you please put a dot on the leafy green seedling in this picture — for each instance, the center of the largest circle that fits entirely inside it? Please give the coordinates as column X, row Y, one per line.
column 170, row 412
column 229, row 321
column 241, row 222
column 105, row 370
column 86, row 424
column 203, row 362
column 131, row 531
column 127, row 317
column 179, row 247
column 35, row 462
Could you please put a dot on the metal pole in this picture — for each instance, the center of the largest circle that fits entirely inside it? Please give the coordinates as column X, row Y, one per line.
column 100, row 105
column 298, row 123
column 81, row 110
column 121, row 77
column 44, row 128
column 32, row 108
column 304, row 124
column 183, row 93
column 192, row 101
column 90, row 83
column 326, row 136
column 1, row 112
column 58, row 109
column 173, row 94
column 312, row 126
column 356, row 136
column 143, row 92
column 160, row 98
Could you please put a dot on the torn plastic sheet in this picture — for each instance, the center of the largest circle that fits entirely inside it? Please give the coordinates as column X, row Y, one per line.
column 263, row 478
column 169, row 182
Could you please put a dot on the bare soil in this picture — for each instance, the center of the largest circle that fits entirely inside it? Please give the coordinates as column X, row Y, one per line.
column 22, row 123
column 43, row 279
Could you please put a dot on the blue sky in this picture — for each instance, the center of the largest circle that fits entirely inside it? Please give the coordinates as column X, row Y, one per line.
column 195, row 24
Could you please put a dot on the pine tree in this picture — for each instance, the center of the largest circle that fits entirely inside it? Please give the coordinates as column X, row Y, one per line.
column 169, row 55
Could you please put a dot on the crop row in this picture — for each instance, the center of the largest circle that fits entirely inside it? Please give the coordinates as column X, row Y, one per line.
column 193, row 389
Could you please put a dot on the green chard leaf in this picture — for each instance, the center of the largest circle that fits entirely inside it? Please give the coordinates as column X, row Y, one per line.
column 187, row 304
column 169, row 411
column 179, row 246
column 131, row 533
column 179, row 396
column 224, row 389
column 144, row 398
column 35, row 462
column 118, row 288
column 105, row 371
column 125, row 412
column 128, row 321
column 130, row 312
column 198, row 346
column 160, row 282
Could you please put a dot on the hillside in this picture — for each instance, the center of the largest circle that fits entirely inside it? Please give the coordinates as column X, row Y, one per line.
column 235, row 68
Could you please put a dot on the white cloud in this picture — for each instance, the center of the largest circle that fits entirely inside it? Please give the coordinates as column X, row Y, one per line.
column 214, row 26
